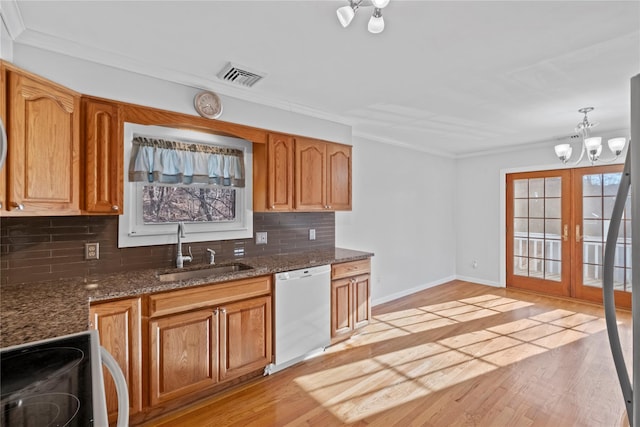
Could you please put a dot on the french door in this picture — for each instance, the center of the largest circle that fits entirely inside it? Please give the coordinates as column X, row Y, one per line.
column 557, row 224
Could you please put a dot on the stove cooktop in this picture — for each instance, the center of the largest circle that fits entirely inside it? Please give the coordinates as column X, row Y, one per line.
column 48, row 383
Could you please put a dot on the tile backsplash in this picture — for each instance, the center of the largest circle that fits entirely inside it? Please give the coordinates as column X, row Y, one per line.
column 33, row 249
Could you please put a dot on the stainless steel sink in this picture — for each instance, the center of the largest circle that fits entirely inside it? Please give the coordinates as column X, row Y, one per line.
column 208, row 271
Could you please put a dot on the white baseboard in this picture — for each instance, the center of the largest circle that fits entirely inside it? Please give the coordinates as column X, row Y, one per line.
column 410, row 291
column 480, row 281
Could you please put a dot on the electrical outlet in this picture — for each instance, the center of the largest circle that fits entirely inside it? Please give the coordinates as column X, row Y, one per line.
column 312, row 234
column 92, row 251
column 261, row 238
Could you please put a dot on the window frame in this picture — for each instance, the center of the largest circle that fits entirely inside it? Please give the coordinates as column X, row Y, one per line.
column 132, row 232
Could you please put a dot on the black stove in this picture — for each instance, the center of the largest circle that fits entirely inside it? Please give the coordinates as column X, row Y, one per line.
column 51, row 383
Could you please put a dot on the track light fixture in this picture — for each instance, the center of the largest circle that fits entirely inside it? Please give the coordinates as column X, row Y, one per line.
column 376, row 23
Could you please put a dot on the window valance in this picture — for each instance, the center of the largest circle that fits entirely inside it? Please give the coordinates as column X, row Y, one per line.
column 175, row 162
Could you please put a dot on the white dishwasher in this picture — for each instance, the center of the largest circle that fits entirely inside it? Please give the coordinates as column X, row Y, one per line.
column 302, row 315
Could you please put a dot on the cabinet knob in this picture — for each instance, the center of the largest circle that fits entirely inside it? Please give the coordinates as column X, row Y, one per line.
column 223, row 310
column 18, row 206
column 273, row 206
column 115, row 208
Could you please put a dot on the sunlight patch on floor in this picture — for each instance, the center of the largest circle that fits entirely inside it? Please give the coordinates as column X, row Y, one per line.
column 378, row 383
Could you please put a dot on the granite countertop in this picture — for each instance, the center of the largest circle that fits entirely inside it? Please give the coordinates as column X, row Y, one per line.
column 35, row 311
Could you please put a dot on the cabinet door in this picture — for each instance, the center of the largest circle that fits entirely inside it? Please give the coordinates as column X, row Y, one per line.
column 310, row 176
column 183, row 354
column 118, row 324
column 280, row 172
column 361, row 300
column 245, row 337
column 103, row 165
column 43, row 165
column 338, row 177
column 341, row 308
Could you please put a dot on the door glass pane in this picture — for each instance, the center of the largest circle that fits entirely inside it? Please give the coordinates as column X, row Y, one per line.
column 553, row 187
column 591, row 185
column 552, row 208
column 536, row 208
column 536, row 188
column 607, row 206
column 537, row 239
column 610, row 183
column 520, row 208
column 592, row 230
column 552, row 229
column 597, row 205
column 592, row 208
column 552, row 270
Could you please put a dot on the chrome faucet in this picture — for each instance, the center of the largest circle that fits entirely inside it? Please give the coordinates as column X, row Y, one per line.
column 180, row 259
column 212, row 256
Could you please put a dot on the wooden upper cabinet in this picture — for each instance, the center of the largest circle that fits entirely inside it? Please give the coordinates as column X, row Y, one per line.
column 273, row 174
column 323, row 175
column 43, row 163
column 311, row 175
column 338, row 177
column 103, row 162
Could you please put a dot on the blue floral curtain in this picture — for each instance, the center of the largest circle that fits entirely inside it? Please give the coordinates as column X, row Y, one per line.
column 174, row 162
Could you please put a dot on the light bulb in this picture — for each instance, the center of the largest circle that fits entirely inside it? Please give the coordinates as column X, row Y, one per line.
column 380, row 3
column 616, row 145
column 345, row 15
column 376, row 23
column 593, row 143
column 563, row 151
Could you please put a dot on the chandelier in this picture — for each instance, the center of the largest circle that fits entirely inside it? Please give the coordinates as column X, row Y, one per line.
column 591, row 145
column 376, row 23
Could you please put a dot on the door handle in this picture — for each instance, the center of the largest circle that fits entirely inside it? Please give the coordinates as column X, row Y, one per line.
column 565, row 232
column 578, row 236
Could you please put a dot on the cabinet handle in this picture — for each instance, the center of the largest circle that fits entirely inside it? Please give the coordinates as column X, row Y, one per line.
column 578, row 236
column 565, row 233
column 18, row 206
column 115, row 208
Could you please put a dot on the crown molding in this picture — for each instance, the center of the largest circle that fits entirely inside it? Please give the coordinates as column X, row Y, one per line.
column 389, row 141
column 12, row 18
column 114, row 60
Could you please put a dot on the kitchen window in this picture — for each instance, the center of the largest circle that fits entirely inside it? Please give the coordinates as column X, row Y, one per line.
column 174, row 175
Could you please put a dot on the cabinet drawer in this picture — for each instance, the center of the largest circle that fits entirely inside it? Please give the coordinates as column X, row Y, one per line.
column 349, row 269
column 207, row 295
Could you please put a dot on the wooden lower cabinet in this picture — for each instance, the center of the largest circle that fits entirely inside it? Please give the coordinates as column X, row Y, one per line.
column 183, row 354
column 202, row 337
column 350, row 298
column 118, row 324
column 195, row 351
column 245, row 337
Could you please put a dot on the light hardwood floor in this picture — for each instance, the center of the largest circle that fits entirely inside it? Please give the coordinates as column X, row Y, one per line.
column 458, row 354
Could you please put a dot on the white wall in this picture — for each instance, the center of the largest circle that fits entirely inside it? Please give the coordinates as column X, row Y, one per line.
column 480, row 206
column 403, row 212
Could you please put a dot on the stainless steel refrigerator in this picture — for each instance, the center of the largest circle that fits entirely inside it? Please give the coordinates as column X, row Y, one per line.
column 630, row 183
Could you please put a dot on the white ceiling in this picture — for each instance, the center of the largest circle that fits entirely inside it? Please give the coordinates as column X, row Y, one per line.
column 450, row 77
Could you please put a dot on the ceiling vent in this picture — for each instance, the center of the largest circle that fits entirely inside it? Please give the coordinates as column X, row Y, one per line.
column 240, row 75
